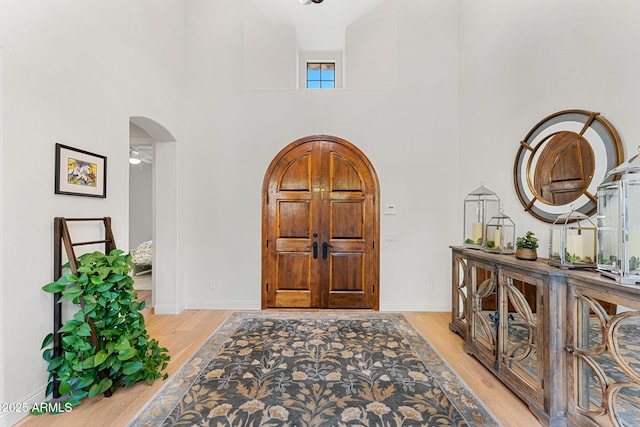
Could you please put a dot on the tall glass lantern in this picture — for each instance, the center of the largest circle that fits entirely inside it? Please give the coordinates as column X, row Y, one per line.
column 479, row 206
column 500, row 235
column 572, row 241
column 619, row 223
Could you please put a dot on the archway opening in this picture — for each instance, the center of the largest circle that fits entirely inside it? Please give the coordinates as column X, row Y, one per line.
column 167, row 294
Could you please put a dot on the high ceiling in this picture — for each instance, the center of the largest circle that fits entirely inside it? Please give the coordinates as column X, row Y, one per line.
column 319, row 27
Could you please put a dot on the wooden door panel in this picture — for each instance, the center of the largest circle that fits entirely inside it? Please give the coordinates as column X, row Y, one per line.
column 347, row 272
column 297, row 174
column 292, row 299
column 343, row 176
column 293, row 271
column 294, row 219
column 347, row 220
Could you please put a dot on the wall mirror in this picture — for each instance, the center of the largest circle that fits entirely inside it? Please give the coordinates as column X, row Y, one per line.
column 562, row 161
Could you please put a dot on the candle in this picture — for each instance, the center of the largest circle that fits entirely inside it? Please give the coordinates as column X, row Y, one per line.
column 589, row 247
column 575, row 245
column 556, row 244
column 496, row 238
column 477, row 232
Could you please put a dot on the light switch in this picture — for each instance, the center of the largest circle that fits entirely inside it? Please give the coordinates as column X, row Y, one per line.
column 390, row 237
column 389, row 209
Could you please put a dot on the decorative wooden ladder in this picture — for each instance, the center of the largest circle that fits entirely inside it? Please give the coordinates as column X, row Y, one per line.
column 62, row 237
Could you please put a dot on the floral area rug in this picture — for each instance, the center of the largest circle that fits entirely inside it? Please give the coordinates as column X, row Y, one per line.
column 315, row 369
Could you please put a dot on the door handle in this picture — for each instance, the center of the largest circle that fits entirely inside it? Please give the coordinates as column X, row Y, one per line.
column 325, row 249
column 315, row 249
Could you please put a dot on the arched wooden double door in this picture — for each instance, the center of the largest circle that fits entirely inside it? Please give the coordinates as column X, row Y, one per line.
column 320, row 227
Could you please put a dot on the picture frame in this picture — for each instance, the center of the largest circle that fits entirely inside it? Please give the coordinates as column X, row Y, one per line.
column 80, row 173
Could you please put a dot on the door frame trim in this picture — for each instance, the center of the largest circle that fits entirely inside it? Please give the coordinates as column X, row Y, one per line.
column 376, row 211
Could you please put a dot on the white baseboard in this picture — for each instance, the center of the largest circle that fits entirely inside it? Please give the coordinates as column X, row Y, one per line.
column 8, row 419
column 166, row 309
column 425, row 306
column 223, row 305
column 206, row 305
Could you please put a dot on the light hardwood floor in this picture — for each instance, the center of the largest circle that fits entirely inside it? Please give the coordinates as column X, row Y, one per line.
column 184, row 333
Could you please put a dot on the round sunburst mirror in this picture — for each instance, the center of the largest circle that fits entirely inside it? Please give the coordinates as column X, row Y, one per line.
column 561, row 162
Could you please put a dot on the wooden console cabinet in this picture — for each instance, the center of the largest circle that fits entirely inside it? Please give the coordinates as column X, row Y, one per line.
column 552, row 336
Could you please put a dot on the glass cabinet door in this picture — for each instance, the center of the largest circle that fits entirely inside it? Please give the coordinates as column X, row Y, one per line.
column 520, row 355
column 605, row 360
column 459, row 294
column 484, row 309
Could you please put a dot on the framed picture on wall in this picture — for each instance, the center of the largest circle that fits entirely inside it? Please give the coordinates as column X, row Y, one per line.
column 80, row 173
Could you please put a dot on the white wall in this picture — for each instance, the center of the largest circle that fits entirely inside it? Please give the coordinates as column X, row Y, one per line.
column 408, row 130
column 267, row 43
column 372, row 48
column 74, row 72
column 521, row 61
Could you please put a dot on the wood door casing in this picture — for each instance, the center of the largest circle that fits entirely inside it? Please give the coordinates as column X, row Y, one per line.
column 320, row 227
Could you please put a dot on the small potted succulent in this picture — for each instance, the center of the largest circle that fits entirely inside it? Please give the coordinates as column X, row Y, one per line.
column 526, row 247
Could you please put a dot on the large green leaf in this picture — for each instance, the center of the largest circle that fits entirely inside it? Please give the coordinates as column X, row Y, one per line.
column 84, row 268
column 70, row 339
column 54, row 287
column 47, row 340
column 84, row 330
column 83, row 279
column 90, row 307
column 123, row 344
column 96, row 280
column 64, row 387
column 127, row 354
column 131, row 367
column 105, row 384
column 94, row 390
column 116, row 278
column 68, row 326
column 104, row 287
column 100, row 357
column 73, row 290
column 66, row 297
column 88, row 363
column 55, row 363
column 82, row 384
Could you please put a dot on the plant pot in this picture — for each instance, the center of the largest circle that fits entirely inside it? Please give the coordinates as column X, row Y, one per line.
column 526, row 254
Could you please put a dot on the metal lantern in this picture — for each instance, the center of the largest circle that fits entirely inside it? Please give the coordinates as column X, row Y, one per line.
column 619, row 223
column 572, row 241
column 479, row 206
column 500, row 235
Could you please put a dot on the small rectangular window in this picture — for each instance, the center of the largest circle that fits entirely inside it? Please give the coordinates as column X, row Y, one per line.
column 321, row 75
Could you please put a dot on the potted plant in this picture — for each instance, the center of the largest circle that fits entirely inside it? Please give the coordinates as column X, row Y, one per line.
column 105, row 345
column 526, row 247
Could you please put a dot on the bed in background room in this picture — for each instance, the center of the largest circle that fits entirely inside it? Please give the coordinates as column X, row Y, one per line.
column 142, row 257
